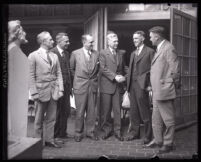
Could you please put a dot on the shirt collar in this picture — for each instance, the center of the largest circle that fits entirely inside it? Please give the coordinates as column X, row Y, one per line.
column 60, row 50
column 140, row 48
column 111, row 50
column 160, row 44
column 86, row 51
column 43, row 50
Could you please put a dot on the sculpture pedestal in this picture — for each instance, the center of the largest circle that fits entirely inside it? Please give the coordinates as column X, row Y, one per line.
column 24, row 148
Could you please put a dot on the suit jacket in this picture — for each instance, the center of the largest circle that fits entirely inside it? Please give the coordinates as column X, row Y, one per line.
column 164, row 72
column 109, row 68
column 143, row 66
column 82, row 77
column 45, row 80
column 65, row 69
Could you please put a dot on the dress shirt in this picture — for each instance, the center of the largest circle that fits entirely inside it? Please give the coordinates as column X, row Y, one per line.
column 61, row 51
column 87, row 53
column 139, row 49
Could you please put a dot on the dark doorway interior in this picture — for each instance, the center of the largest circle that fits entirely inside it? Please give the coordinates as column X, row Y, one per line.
column 125, row 30
column 74, row 33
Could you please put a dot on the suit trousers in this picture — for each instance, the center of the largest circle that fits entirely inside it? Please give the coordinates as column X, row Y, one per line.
column 139, row 110
column 163, row 114
column 85, row 102
column 63, row 112
column 108, row 103
column 45, row 116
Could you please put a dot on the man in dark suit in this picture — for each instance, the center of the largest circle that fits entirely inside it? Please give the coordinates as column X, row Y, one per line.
column 112, row 71
column 63, row 104
column 165, row 78
column 137, row 83
column 84, row 65
column 46, row 87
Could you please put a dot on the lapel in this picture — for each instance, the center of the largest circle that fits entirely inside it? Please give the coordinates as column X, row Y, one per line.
column 43, row 55
column 132, row 58
column 109, row 53
column 82, row 58
column 157, row 54
column 118, row 57
column 94, row 58
column 142, row 53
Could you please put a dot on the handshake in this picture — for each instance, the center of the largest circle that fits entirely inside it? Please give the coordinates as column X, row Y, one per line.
column 120, row 78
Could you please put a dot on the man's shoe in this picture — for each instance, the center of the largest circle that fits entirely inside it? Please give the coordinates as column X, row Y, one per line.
column 119, row 137
column 165, row 149
column 93, row 137
column 153, row 144
column 131, row 137
column 105, row 136
column 52, row 144
column 78, row 138
column 59, row 140
column 146, row 141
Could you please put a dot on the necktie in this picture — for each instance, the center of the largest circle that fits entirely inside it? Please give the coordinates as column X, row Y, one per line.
column 62, row 54
column 114, row 55
column 49, row 59
column 137, row 52
column 89, row 54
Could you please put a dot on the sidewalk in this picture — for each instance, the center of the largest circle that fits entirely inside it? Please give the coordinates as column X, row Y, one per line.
column 186, row 143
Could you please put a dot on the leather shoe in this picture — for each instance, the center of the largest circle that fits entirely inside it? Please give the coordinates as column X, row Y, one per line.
column 105, row 136
column 146, row 141
column 52, row 144
column 78, row 138
column 131, row 137
column 165, row 149
column 119, row 137
column 153, row 144
column 93, row 137
column 59, row 140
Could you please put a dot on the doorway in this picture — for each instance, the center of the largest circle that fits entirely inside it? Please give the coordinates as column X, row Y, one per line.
column 125, row 30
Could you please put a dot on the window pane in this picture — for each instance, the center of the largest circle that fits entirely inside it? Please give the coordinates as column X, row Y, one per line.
column 192, row 104
column 185, row 105
column 185, row 85
column 193, row 85
column 178, row 44
column 185, row 66
column 177, row 24
column 186, row 46
column 193, row 29
column 186, row 26
column 192, row 66
column 177, row 103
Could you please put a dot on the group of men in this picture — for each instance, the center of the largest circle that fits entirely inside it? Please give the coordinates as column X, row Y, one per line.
column 54, row 73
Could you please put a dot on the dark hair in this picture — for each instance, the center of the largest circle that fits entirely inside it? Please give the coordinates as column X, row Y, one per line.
column 158, row 30
column 140, row 32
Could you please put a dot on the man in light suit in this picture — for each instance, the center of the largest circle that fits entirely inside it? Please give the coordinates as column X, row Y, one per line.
column 164, row 81
column 84, row 65
column 137, row 83
column 46, row 87
column 63, row 104
column 112, row 71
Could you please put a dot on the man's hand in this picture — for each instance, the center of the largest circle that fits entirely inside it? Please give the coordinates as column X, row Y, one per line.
column 60, row 93
column 148, row 88
column 120, row 78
